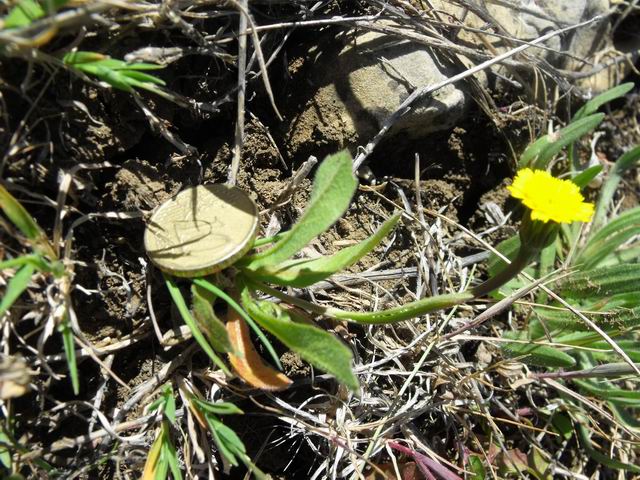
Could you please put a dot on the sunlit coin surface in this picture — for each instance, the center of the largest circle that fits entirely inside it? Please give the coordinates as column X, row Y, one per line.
column 201, row 230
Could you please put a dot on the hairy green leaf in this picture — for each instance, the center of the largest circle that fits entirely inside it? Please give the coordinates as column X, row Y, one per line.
column 178, row 299
column 533, row 354
column 201, row 282
column 208, row 321
column 305, row 272
column 601, row 282
column 542, row 151
column 606, row 240
column 317, row 346
column 627, row 161
column 333, row 188
column 606, row 392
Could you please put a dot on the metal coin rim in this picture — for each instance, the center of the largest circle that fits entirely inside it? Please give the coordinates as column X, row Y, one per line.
column 243, row 247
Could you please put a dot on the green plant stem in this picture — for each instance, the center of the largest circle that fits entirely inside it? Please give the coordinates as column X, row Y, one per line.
column 507, row 273
column 392, row 315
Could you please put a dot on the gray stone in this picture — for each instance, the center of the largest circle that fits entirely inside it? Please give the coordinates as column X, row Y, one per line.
column 362, row 84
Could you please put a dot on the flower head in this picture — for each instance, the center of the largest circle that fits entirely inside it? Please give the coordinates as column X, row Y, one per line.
column 550, row 198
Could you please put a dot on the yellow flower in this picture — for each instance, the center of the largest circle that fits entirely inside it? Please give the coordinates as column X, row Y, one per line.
column 550, row 198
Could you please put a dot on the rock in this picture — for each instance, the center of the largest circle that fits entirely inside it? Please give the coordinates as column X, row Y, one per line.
column 530, row 19
column 354, row 88
column 363, row 83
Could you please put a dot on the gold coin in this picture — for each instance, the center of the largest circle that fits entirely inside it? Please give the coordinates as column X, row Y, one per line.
column 201, row 230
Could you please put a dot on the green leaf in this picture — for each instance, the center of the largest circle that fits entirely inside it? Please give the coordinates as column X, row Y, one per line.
column 218, row 408
column 627, row 161
column 606, row 392
column 225, row 439
column 584, row 178
column 169, row 404
column 591, row 452
column 596, row 102
column 5, row 454
column 208, row 321
column 542, row 151
column 601, row 282
column 25, row 222
column 509, row 248
column 539, row 355
column 305, row 272
column 333, row 188
column 318, row 347
column 169, row 453
column 630, row 347
column 201, row 282
column 605, row 241
column 563, row 425
column 477, row 468
column 178, row 299
column 78, row 58
column 25, row 12
column 70, row 354
column 15, row 287
column 143, row 77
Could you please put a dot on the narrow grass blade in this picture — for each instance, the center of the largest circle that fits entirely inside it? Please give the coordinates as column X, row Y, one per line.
column 584, row 178
column 70, row 354
column 317, row 346
column 542, row 151
column 178, row 299
column 169, row 454
column 333, row 188
column 153, row 458
column 19, row 216
column 201, row 282
column 5, row 454
column 218, row 408
column 225, row 439
column 15, row 287
column 302, row 273
column 596, row 102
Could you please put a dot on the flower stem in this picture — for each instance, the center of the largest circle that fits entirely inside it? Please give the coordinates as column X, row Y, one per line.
column 507, row 273
column 392, row 315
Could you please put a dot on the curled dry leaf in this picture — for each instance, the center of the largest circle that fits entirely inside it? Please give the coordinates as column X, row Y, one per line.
column 250, row 366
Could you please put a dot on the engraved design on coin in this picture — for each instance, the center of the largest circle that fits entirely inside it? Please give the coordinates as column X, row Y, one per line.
column 201, row 230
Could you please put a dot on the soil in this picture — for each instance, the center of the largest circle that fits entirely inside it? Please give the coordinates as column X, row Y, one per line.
column 461, row 170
